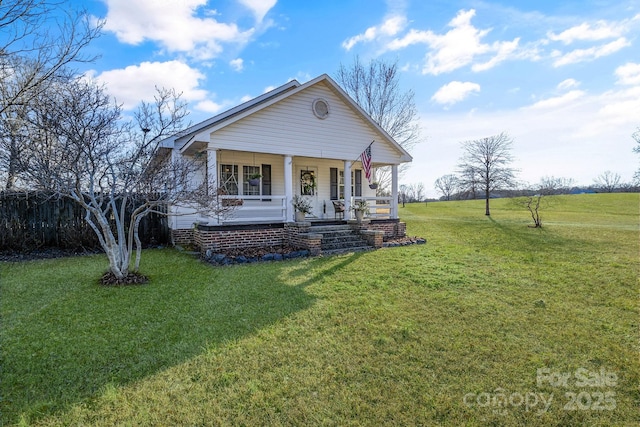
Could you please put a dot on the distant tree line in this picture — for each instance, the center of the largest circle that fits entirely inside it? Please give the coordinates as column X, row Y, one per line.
column 484, row 173
column 412, row 193
column 452, row 188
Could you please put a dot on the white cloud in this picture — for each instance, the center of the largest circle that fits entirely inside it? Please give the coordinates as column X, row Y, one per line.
column 568, row 84
column 259, row 8
column 136, row 83
column 209, row 106
column 389, row 28
column 600, row 31
column 589, row 54
column 577, row 139
column 237, row 64
column 586, row 32
column 621, row 109
column 454, row 92
column 458, row 47
column 628, row 74
column 504, row 51
column 175, row 25
column 558, row 101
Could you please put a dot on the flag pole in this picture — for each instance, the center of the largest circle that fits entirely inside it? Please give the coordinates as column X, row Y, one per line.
column 360, row 156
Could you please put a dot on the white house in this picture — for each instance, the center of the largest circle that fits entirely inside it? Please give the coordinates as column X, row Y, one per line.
column 303, row 139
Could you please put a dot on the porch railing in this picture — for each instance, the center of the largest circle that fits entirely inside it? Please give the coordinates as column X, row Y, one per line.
column 273, row 208
column 379, row 207
column 254, row 209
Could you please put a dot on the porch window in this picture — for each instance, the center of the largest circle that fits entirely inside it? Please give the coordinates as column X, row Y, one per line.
column 337, row 183
column 248, row 189
column 229, row 178
column 333, row 183
column 266, row 181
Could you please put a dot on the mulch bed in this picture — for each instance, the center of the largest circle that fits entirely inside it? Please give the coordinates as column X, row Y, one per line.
column 260, row 251
column 249, row 255
column 109, row 279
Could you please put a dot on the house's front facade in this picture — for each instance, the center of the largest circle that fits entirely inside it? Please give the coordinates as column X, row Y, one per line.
column 303, row 139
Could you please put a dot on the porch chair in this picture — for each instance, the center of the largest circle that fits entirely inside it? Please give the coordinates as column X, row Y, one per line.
column 338, row 209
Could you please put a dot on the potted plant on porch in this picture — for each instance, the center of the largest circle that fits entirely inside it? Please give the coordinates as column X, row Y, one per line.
column 302, row 207
column 373, row 185
column 254, row 179
column 360, row 208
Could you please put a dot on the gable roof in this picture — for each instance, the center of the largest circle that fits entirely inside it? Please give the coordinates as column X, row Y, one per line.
column 183, row 137
column 183, row 140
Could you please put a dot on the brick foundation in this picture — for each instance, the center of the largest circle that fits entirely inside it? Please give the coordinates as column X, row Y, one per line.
column 391, row 227
column 219, row 239
column 182, row 237
column 374, row 238
column 298, row 234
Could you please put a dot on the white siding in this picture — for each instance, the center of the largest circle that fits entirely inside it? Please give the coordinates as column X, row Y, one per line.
column 320, row 199
column 290, row 127
column 299, row 163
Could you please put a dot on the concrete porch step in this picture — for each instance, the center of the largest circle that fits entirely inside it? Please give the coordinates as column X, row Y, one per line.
column 339, row 238
column 330, row 228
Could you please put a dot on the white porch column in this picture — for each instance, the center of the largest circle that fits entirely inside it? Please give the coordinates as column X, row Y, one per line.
column 212, row 168
column 347, row 189
column 212, row 178
column 288, row 187
column 394, row 191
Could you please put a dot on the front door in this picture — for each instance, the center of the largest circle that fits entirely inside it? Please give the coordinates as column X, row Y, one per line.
column 307, row 184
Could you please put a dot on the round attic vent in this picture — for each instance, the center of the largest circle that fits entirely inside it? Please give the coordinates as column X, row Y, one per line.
column 321, row 108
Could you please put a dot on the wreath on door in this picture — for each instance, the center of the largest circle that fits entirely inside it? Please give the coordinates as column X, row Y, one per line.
column 307, row 183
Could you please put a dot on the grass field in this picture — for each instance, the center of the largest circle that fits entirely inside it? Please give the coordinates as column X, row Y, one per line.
column 490, row 323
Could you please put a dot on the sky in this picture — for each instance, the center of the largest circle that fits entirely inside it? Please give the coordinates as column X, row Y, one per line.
column 561, row 78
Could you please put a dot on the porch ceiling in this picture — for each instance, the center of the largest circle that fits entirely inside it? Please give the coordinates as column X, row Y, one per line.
column 195, row 147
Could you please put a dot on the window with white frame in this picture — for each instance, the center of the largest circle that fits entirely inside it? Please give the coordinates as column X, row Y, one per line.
column 229, row 178
column 248, row 174
column 337, row 183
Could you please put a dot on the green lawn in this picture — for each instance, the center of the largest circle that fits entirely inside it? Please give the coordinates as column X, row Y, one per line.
column 429, row 334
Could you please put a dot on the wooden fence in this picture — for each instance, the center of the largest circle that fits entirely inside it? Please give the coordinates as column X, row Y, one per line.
column 33, row 219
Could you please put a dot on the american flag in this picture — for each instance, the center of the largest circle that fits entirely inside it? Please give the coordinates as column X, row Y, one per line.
column 365, row 157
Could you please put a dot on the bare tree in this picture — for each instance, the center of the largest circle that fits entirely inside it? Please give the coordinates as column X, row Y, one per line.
column 32, row 57
column 26, row 25
column 534, row 205
column 447, row 185
column 607, row 181
column 111, row 166
column 468, row 184
column 419, row 192
column 376, row 89
column 411, row 193
column 551, row 185
column 485, row 163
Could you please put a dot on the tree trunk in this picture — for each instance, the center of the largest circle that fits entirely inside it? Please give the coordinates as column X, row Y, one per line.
column 487, row 212
column 11, row 173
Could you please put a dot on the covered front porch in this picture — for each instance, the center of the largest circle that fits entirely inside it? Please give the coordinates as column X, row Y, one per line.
column 325, row 183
